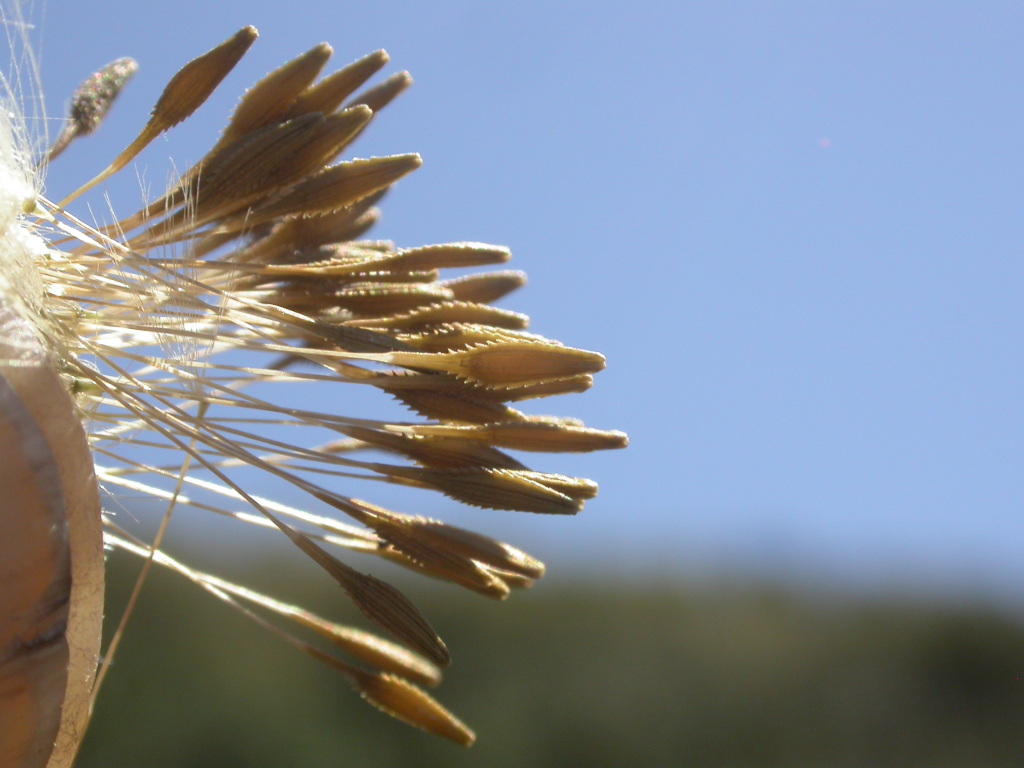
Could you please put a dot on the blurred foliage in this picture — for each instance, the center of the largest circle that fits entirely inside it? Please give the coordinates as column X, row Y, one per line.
column 590, row 674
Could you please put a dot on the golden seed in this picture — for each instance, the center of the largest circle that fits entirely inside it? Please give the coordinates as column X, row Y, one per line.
column 329, row 94
column 486, row 287
column 379, row 96
column 269, row 100
column 404, row 701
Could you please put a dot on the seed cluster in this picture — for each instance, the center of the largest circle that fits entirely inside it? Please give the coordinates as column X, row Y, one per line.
column 181, row 327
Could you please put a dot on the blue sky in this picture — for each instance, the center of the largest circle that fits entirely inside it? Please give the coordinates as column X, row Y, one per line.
column 794, row 229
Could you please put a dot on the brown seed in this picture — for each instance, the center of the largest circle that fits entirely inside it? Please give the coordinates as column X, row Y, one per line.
column 455, row 336
column 452, row 255
column 449, row 312
column 550, row 437
column 290, row 238
column 508, row 364
column 372, row 650
column 525, row 362
column 340, row 185
column 483, row 549
column 436, row 452
column 328, row 94
column 368, row 299
column 487, row 286
column 568, row 385
column 382, row 94
column 384, row 605
column 476, row 578
column 193, row 84
column 269, row 100
column 437, row 561
column 447, row 404
column 514, row 490
column 408, row 703
column 579, row 489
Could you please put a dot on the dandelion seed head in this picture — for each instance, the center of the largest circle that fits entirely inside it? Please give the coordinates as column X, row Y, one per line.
column 191, row 331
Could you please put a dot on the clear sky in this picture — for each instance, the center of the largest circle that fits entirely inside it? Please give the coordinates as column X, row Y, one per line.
column 793, row 228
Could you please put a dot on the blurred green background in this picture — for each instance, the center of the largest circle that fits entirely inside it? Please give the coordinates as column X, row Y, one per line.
column 588, row 672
